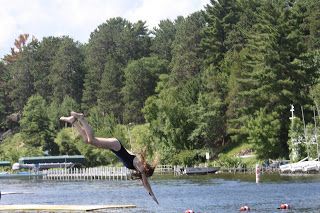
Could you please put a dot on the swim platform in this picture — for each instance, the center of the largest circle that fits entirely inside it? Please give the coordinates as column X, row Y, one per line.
column 76, row 208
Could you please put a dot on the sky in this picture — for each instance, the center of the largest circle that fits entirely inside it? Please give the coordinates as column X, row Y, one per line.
column 78, row 18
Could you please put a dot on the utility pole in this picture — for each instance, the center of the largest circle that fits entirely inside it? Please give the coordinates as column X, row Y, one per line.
column 305, row 133
column 316, row 132
column 292, row 115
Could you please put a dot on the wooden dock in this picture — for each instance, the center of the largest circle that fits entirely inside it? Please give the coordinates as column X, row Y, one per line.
column 98, row 173
column 59, row 208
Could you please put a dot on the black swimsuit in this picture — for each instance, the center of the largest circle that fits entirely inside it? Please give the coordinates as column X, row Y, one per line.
column 125, row 157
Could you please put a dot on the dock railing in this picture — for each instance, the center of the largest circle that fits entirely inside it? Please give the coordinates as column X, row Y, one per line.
column 97, row 173
column 164, row 169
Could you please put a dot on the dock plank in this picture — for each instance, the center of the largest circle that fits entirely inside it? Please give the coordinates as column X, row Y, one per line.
column 42, row 207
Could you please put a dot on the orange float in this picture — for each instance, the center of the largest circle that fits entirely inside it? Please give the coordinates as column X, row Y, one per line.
column 284, row 206
column 244, row 208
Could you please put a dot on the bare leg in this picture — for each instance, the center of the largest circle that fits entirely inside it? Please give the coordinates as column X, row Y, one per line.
column 81, row 131
column 106, row 143
column 87, row 128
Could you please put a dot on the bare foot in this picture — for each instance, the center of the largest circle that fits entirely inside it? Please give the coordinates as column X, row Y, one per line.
column 77, row 115
column 70, row 119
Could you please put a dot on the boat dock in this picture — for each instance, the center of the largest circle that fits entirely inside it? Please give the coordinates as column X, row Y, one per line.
column 97, row 173
column 59, row 208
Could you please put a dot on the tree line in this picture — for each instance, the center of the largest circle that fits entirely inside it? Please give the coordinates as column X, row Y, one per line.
column 224, row 75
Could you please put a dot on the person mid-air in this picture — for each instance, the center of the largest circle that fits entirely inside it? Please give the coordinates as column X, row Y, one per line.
column 139, row 165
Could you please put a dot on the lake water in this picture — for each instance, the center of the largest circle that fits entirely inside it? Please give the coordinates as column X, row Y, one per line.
column 209, row 193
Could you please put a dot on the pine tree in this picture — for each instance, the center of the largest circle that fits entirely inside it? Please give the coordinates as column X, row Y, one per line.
column 35, row 125
column 3, row 94
column 21, row 80
column 164, row 35
column 221, row 17
column 141, row 77
column 116, row 39
column 109, row 97
column 46, row 52
column 66, row 73
column 186, row 55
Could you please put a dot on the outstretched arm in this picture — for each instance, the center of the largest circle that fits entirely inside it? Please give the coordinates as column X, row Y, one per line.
column 138, row 165
column 147, row 186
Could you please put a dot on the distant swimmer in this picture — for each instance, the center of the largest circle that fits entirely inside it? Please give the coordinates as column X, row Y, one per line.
column 139, row 165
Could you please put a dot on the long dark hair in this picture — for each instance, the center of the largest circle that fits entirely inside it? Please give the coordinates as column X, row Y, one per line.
column 148, row 169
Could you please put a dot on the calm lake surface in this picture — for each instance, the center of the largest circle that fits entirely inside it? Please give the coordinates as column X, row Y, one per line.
column 209, row 193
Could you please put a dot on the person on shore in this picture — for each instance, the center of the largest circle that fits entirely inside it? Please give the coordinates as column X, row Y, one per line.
column 141, row 168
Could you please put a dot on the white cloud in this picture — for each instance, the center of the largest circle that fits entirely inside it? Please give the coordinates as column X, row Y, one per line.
column 153, row 11
column 78, row 18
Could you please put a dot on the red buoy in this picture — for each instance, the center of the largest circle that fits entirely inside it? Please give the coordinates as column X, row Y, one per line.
column 189, row 211
column 284, row 206
column 244, row 208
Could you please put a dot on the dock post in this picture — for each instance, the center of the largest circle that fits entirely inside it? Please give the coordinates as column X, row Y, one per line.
column 257, row 173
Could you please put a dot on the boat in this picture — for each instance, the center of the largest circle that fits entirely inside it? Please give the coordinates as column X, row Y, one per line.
column 301, row 167
column 199, row 170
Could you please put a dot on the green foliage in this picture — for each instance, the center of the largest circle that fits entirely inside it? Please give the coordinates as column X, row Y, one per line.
column 263, row 133
column 170, row 119
column 46, row 52
column 140, row 139
column 141, row 77
column 188, row 158
column 66, row 142
column 3, row 90
column 221, row 17
column 35, row 125
column 210, row 123
column 57, row 109
column 164, row 34
column 186, row 53
column 117, row 41
column 110, row 97
column 13, row 148
column 66, row 74
column 229, row 161
column 20, row 83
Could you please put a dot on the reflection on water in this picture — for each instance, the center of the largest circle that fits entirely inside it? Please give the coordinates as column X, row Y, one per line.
column 208, row 193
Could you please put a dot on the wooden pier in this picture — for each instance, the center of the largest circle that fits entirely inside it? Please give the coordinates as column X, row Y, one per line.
column 59, row 208
column 164, row 169
column 98, row 173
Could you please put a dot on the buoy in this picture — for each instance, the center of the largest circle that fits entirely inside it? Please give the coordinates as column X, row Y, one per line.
column 244, row 208
column 189, row 211
column 258, row 172
column 284, row 206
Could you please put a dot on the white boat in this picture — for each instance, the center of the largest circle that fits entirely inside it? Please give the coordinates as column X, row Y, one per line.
column 301, row 166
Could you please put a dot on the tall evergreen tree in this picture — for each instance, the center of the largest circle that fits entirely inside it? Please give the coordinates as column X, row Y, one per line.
column 46, row 52
column 141, row 77
column 109, row 97
column 66, row 73
column 186, row 54
column 21, row 76
column 116, row 39
column 3, row 94
column 222, row 36
column 221, row 17
column 35, row 125
column 256, row 71
column 164, row 36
